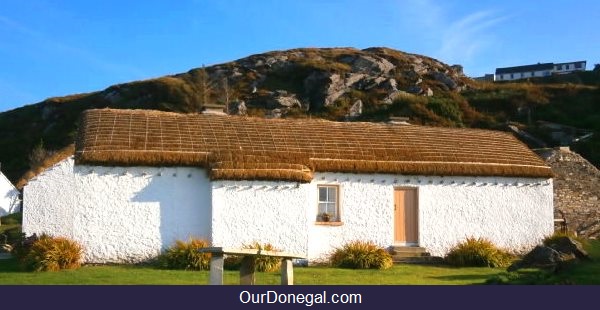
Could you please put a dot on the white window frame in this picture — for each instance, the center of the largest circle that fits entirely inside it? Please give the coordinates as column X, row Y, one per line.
column 322, row 205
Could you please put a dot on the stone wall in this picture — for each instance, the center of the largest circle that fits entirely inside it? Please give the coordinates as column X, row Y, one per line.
column 576, row 191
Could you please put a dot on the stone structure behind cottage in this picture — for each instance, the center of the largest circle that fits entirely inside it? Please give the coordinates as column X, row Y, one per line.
column 576, row 191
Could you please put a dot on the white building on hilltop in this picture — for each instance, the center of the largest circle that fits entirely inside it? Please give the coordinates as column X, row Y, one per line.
column 537, row 70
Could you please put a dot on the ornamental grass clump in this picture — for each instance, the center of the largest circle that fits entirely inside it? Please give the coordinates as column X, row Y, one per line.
column 52, row 254
column 361, row 255
column 478, row 252
column 265, row 263
column 185, row 256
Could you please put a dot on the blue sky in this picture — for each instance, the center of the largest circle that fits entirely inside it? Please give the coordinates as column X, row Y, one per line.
column 54, row 48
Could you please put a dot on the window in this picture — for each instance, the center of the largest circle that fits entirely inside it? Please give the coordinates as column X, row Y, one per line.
column 512, row 76
column 328, row 204
column 578, row 65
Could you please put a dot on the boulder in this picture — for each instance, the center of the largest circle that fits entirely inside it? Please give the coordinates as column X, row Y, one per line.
column 355, row 110
column 370, row 65
column 569, row 246
column 282, row 98
column 540, row 257
column 238, row 108
column 446, row 80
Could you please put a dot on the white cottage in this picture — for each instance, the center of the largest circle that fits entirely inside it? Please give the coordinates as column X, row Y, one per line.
column 140, row 179
column 9, row 197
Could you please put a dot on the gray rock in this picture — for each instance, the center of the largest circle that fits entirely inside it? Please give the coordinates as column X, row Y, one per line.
column 570, row 246
column 540, row 257
column 334, row 90
column 415, row 89
column 353, row 78
column 390, row 85
column 275, row 113
column 238, row 108
column 356, row 109
column 323, row 88
column 442, row 77
column 369, row 64
column 373, row 82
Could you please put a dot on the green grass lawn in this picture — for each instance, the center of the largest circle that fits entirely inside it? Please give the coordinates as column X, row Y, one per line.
column 125, row 274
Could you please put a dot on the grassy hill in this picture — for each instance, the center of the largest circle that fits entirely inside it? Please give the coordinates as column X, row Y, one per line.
column 324, row 83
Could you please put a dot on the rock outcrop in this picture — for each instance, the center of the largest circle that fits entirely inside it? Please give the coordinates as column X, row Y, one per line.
column 318, row 78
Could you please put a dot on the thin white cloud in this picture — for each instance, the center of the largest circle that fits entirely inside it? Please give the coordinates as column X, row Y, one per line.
column 452, row 39
column 465, row 38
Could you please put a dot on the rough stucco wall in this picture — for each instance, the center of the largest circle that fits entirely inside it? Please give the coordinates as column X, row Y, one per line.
column 514, row 213
column 366, row 211
column 9, row 197
column 123, row 214
column 129, row 214
column 260, row 211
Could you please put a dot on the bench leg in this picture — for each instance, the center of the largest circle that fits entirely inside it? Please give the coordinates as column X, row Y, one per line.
column 216, row 269
column 287, row 272
column 247, row 271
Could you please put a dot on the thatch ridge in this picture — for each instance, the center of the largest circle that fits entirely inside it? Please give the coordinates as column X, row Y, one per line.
column 142, row 137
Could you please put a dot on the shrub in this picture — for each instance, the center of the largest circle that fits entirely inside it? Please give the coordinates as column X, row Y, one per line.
column 361, row 255
column 232, row 262
column 265, row 263
column 52, row 254
column 185, row 255
column 478, row 253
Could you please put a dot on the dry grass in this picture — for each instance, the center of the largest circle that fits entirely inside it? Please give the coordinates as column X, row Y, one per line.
column 46, row 163
column 253, row 148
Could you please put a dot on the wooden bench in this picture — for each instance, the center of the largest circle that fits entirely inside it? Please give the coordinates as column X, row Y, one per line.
column 247, row 267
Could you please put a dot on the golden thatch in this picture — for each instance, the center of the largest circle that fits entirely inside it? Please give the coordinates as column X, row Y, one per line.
column 253, row 148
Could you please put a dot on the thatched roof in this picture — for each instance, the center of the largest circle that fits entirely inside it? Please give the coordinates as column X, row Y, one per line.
column 275, row 149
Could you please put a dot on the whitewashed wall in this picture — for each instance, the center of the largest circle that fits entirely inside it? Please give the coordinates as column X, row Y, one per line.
column 514, row 213
column 119, row 214
column 261, row 211
column 130, row 214
column 9, row 197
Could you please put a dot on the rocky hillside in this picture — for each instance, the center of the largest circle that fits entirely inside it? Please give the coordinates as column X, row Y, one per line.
column 334, row 83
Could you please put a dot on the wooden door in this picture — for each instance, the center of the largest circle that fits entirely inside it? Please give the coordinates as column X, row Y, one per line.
column 406, row 220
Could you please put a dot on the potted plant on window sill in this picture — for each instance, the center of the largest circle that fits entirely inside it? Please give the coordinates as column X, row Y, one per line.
column 325, row 217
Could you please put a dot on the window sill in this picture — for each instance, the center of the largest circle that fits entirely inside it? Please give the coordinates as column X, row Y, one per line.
column 329, row 223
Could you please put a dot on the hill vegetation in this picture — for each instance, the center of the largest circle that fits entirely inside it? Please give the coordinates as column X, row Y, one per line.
column 333, row 83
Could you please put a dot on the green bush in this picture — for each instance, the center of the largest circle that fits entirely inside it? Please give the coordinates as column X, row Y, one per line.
column 361, row 255
column 185, row 255
column 12, row 219
column 52, row 254
column 478, row 253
